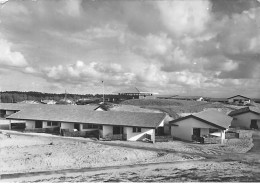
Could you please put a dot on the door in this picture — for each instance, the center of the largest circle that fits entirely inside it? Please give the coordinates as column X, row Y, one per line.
column 76, row 126
column 196, row 132
column 253, row 124
column 38, row 124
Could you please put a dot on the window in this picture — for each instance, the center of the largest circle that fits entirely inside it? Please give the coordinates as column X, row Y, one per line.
column 90, row 126
column 213, row 130
column 52, row 123
column 136, row 129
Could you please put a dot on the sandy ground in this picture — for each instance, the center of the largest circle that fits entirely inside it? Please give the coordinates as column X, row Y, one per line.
column 30, row 154
column 227, row 163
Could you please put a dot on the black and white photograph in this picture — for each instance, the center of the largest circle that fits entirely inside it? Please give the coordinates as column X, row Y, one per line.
column 130, row 91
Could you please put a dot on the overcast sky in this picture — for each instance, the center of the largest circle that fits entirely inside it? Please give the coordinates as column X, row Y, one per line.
column 192, row 47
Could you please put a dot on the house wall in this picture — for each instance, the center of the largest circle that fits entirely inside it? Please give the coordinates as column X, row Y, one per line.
column 30, row 124
column 244, row 120
column 138, row 136
column 107, row 130
column 237, row 98
column 69, row 126
column 99, row 109
column 184, row 130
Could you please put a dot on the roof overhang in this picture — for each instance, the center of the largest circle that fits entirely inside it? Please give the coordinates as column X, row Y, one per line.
column 197, row 118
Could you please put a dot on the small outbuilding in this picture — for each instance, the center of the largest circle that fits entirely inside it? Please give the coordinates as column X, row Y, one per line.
column 200, row 124
column 246, row 118
column 239, row 99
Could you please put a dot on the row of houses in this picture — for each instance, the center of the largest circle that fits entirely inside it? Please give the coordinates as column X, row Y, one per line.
column 132, row 126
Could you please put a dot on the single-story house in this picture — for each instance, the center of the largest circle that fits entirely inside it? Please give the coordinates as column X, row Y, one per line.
column 238, row 99
column 246, row 118
column 131, row 126
column 200, row 124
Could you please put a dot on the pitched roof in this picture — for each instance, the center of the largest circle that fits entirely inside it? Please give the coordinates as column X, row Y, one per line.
column 133, row 90
column 212, row 117
column 76, row 115
column 237, row 96
column 16, row 106
column 245, row 110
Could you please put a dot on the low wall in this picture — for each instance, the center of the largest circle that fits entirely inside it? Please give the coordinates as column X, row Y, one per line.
column 43, row 130
column 85, row 134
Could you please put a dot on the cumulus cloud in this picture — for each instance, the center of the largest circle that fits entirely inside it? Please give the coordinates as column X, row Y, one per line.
column 185, row 17
column 81, row 72
column 9, row 57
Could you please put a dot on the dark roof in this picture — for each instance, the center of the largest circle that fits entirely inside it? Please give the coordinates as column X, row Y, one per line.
column 17, row 106
column 245, row 110
column 238, row 95
column 133, row 90
column 75, row 114
column 212, row 117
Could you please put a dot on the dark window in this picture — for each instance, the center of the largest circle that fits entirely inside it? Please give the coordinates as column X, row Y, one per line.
column 116, row 130
column 90, row 126
column 213, row 130
column 38, row 124
column 136, row 129
column 52, row 123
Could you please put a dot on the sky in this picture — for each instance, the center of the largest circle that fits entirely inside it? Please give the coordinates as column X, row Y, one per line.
column 185, row 47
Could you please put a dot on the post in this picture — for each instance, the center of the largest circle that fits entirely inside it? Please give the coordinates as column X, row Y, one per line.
column 103, row 92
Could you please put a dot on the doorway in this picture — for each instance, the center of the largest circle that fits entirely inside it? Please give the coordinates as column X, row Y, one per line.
column 253, row 124
column 38, row 124
column 196, row 132
column 76, row 126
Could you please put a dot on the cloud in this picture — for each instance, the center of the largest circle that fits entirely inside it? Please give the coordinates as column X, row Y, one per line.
column 185, row 17
column 9, row 57
column 95, row 72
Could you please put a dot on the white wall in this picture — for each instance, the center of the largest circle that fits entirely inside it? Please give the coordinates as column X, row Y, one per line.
column 244, row 120
column 107, row 130
column 135, row 136
column 69, row 126
column 184, row 130
column 9, row 112
column 30, row 124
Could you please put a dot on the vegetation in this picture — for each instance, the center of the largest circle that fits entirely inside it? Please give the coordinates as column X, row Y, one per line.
column 18, row 96
column 173, row 106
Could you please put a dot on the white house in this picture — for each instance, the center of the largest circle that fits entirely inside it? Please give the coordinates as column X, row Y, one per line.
column 200, row 124
column 246, row 118
column 238, row 99
column 132, row 126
